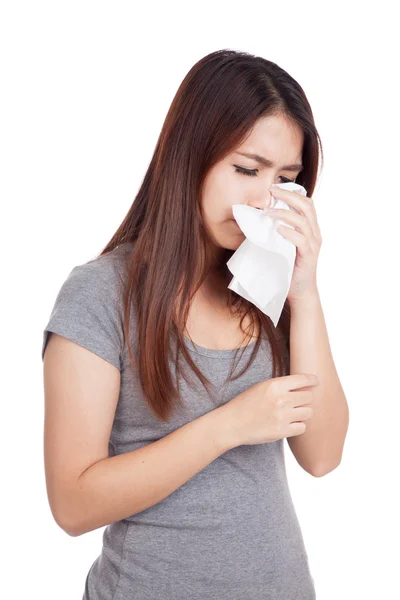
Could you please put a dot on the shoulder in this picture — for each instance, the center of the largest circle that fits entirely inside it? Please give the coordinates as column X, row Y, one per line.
column 88, row 307
column 99, row 279
column 107, row 268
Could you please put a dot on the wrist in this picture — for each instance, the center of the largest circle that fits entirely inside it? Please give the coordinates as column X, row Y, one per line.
column 224, row 430
column 308, row 299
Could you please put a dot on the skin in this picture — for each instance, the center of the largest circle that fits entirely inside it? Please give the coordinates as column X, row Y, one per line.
column 274, row 137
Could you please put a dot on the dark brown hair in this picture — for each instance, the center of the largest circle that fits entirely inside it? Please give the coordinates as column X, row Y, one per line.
column 215, row 107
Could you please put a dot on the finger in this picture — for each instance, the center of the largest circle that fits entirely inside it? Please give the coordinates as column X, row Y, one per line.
column 302, row 380
column 300, row 398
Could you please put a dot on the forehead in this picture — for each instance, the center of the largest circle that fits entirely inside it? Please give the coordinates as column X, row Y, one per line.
column 275, row 137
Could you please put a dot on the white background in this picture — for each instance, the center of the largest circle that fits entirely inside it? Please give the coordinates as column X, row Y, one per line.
column 85, row 89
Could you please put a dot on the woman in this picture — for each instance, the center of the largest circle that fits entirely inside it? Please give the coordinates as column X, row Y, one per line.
column 180, row 460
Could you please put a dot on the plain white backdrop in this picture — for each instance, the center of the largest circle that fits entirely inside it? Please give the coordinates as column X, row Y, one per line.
column 85, row 89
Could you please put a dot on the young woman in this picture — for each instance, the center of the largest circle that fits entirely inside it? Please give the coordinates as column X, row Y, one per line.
column 148, row 431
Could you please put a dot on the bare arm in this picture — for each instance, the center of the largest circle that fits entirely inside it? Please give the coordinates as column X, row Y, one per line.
column 86, row 488
column 117, row 487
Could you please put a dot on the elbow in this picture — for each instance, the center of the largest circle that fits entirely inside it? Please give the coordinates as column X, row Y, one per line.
column 68, row 509
column 324, row 469
column 66, row 521
column 67, row 525
column 73, row 531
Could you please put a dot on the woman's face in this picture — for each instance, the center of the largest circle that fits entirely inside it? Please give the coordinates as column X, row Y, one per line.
column 275, row 138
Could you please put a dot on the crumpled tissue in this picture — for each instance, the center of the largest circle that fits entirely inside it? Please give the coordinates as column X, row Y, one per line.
column 262, row 266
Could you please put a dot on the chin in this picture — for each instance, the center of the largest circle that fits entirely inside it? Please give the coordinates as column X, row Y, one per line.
column 233, row 242
column 230, row 237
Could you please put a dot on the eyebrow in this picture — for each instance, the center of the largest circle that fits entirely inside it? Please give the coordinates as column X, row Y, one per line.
column 269, row 163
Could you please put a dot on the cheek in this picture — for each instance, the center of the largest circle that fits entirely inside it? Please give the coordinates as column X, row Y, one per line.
column 220, row 192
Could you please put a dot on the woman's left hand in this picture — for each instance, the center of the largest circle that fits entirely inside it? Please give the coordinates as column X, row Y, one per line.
column 306, row 236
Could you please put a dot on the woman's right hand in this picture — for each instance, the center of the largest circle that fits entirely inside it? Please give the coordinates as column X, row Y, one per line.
column 271, row 409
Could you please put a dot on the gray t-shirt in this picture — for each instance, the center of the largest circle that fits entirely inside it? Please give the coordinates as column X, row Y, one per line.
column 229, row 533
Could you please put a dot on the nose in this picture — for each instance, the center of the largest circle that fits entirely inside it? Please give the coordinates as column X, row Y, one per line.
column 263, row 201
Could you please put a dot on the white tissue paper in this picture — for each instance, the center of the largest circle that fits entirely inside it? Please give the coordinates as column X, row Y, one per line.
column 262, row 266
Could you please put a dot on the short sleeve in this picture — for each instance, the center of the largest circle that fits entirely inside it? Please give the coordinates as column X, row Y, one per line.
column 86, row 311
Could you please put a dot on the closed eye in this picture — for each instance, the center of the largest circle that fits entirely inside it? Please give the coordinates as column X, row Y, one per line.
column 253, row 173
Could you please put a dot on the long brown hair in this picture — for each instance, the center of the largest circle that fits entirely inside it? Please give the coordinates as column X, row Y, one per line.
column 215, row 107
